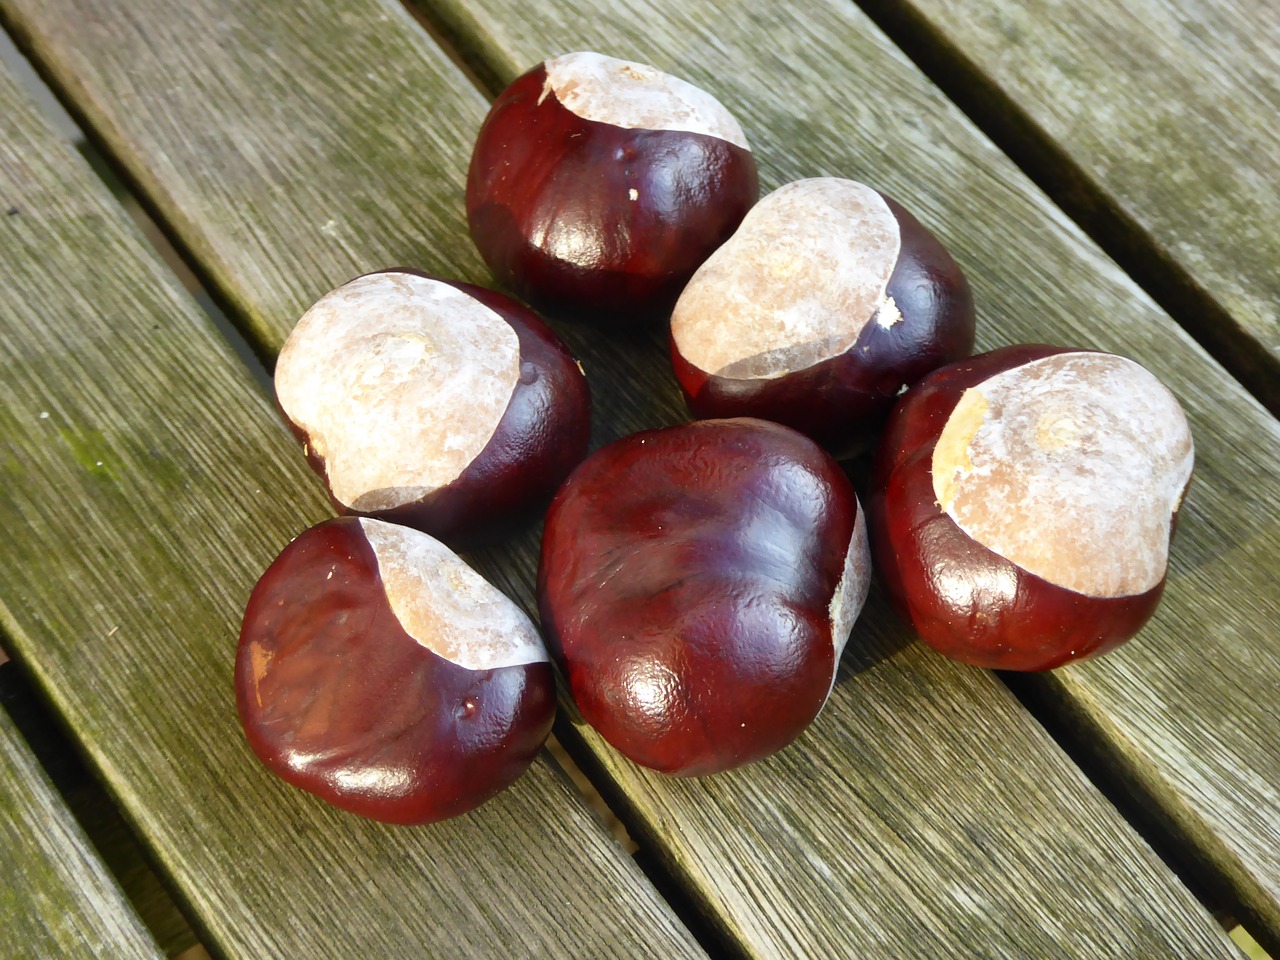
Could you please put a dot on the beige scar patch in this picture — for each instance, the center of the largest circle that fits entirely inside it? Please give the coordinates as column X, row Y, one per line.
column 807, row 269
column 1070, row 467
column 637, row 97
column 851, row 593
column 446, row 606
column 399, row 382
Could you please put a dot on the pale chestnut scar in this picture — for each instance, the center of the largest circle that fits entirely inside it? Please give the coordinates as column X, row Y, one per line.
column 446, row 606
column 804, row 274
column 259, row 660
column 1070, row 467
column 399, row 382
column 637, row 97
column 889, row 316
column 851, row 593
column 951, row 460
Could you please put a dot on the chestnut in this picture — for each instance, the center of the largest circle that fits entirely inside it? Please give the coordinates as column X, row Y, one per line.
column 828, row 302
column 379, row 672
column 444, row 406
column 1023, row 503
column 597, row 186
column 697, row 586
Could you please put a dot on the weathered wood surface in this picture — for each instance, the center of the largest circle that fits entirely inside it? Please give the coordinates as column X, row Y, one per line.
column 1162, row 116
column 1186, row 711
column 926, row 813
column 57, row 898
column 147, row 483
column 96, row 813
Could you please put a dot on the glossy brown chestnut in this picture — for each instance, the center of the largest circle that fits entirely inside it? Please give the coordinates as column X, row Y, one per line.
column 1023, row 503
column 443, row 406
column 379, row 672
column 697, row 586
column 597, row 186
column 827, row 303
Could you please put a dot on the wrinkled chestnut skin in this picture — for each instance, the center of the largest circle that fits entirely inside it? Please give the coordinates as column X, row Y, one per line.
column 548, row 207
column 352, row 709
column 684, row 588
column 843, row 401
column 964, row 600
column 543, row 435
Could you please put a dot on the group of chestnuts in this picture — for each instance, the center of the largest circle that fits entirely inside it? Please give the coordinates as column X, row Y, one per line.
column 697, row 583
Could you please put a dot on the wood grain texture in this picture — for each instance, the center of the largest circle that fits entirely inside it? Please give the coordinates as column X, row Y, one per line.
column 147, row 483
column 57, row 899
column 1184, row 713
column 925, row 814
column 108, row 832
column 1161, row 114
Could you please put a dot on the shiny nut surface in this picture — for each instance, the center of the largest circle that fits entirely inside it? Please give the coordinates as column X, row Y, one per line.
column 1024, row 501
column 378, row 672
column 440, row 405
column 597, row 186
column 698, row 585
column 828, row 301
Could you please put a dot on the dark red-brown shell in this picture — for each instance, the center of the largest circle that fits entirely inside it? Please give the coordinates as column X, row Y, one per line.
column 697, row 585
column 842, row 400
column 541, row 435
column 337, row 699
column 594, row 221
column 964, row 599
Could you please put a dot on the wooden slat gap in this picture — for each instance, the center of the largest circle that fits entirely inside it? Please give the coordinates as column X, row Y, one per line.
column 110, row 833
column 1244, row 939
column 1182, row 850
column 148, row 857
column 578, row 778
column 1080, row 197
column 259, row 356
column 154, row 227
column 665, row 875
column 460, row 49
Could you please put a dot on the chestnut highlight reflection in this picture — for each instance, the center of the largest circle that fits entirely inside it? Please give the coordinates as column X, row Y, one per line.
column 697, row 585
column 597, row 186
column 371, row 711
column 1023, row 503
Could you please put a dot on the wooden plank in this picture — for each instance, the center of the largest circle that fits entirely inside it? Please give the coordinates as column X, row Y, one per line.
column 926, row 813
column 58, row 899
column 1155, row 120
column 95, row 812
column 147, row 483
column 1184, row 713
